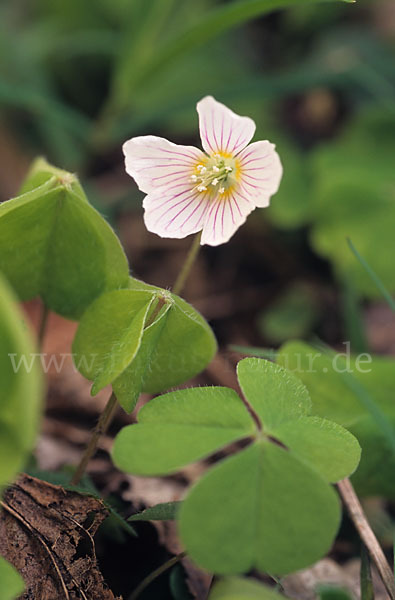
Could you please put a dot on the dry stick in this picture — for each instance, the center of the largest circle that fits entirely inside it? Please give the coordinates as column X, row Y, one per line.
column 152, row 576
column 361, row 524
column 190, row 259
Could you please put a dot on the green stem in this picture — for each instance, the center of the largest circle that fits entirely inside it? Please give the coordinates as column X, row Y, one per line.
column 43, row 325
column 186, row 268
column 106, row 416
column 152, row 576
column 101, row 427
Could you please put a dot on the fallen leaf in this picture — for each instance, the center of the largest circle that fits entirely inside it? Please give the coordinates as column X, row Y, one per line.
column 47, row 533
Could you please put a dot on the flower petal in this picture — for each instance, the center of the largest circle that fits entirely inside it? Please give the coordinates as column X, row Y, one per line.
column 260, row 172
column 155, row 163
column 221, row 130
column 176, row 214
column 227, row 212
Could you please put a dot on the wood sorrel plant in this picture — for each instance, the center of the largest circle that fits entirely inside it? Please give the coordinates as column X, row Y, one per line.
column 270, row 505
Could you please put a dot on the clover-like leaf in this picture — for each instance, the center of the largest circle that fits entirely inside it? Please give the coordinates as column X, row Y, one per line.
column 11, row 583
column 237, row 588
column 55, row 245
column 20, row 391
column 276, row 492
column 121, row 340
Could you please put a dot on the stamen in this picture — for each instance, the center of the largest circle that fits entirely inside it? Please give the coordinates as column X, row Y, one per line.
column 228, row 169
column 214, row 181
column 194, row 178
column 201, row 188
column 199, row 167
column 221, row 190
column 215, row 169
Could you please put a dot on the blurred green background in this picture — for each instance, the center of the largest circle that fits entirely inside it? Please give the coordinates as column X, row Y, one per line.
column 79, row 78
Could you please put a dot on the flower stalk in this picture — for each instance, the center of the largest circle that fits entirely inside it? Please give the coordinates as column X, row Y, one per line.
column 188, row 263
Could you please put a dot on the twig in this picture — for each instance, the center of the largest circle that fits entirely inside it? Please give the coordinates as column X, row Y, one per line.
column 361, row 524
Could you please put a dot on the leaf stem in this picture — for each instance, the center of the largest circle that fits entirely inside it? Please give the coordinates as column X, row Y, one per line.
column 152, row 576
column 186, row 268
column 43, row 325
column 101, row 427
column 107, row 414
column 361, row 524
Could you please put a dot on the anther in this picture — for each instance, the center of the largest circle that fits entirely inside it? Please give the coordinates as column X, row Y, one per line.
column 193, row 178
column 221, row 190
column 214, row 181
column 201, row 188
column 215, row 169
column 228, row 169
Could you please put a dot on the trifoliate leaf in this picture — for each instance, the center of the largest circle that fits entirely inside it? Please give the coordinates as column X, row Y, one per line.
column 55, row 245
column 118, row 344
column 255, row 508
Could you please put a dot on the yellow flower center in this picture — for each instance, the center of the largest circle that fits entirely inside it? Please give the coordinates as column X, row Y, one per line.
column 217, row 174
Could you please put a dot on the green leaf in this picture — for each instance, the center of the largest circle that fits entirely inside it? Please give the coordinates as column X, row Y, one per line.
column 117, row 344
column 165, row 511
column 181, row 427
column 21, row 388
column 254, row 509
column 270, row 498
column 237, row 588
column 11, row 583
column 55, row 245
column 323, row 445
column 273, row 392
column 109, row 335
column 332, row 592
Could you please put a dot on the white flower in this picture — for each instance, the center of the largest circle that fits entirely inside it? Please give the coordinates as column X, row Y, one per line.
column 214, row 191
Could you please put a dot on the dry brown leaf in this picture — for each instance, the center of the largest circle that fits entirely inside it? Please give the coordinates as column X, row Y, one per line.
column 47, row 533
